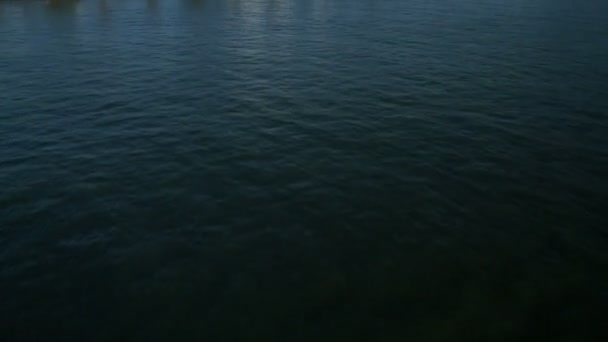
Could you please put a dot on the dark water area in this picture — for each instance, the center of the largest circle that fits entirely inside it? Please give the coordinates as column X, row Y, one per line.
column 301, row 170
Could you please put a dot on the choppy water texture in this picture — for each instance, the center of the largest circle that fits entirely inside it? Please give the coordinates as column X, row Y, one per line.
column 304, row 170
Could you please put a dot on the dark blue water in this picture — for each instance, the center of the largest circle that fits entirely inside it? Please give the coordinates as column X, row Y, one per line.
column 301, row 170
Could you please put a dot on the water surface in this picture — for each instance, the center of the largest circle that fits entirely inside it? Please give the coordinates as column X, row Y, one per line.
column 375, row 170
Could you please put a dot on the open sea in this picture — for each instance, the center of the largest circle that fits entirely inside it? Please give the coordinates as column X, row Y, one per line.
column 304, row 170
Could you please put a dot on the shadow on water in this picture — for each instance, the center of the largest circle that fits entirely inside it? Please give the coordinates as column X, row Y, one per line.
column 67, row 6
column 152, row 6
column 196, row 4
column 104, row 8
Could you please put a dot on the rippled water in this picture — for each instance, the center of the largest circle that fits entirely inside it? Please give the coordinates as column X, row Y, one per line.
column 376, row 170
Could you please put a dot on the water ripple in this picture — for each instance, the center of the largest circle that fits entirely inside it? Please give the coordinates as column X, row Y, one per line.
column 368, row 170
